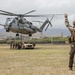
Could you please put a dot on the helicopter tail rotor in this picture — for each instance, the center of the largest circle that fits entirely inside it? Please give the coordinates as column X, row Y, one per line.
column 49, row 23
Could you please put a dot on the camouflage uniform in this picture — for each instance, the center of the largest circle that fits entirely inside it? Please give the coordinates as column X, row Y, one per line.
column 11, row 45
column 72, row 51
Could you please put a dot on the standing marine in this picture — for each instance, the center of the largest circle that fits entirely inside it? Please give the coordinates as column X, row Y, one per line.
column 71, row 40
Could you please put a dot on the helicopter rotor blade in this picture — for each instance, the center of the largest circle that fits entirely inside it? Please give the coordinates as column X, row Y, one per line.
column 3, row 14
column 44, row 15
column 25, row 15
column 49, row 23
column 30, row 12
column 36, row 15
column 38, row 21
column 51, row 18
column 47, row 27
column 8, row 13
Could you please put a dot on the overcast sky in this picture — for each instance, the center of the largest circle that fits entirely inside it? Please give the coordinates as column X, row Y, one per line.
column 41, row 7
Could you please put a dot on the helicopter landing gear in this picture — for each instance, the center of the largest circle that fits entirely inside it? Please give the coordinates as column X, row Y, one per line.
column 30, row 34
column 7, row 30
column 17, row 34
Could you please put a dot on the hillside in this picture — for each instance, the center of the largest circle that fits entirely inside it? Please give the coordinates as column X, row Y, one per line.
column 49, row 32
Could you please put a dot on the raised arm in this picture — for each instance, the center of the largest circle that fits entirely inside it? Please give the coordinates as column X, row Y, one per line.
column 67, row 22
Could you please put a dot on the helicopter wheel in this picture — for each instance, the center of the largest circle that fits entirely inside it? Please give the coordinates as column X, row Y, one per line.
column 30, row 34
column 17, row 34
column 7, row 30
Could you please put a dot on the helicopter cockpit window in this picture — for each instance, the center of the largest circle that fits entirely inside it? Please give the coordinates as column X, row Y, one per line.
column 16, row 18
column 9, row 21
column 13, row 21
column 30, row 23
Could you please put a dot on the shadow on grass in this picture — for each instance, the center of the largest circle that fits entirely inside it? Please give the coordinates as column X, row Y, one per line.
column 26, row 49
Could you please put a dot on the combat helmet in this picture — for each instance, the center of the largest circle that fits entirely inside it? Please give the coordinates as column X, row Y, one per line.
column 74, row 22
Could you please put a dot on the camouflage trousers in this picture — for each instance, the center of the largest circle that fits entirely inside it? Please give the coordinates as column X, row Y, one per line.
column 72, row 52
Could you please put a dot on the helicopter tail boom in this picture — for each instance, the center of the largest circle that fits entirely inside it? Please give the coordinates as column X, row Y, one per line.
column 2, row 25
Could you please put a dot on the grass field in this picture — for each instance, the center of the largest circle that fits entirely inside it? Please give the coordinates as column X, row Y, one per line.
column 45, row 59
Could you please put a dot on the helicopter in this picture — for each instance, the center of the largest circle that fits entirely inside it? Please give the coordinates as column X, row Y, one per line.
column 19, row 24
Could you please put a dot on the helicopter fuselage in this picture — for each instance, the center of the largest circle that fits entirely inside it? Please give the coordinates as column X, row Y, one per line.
column 21, row 26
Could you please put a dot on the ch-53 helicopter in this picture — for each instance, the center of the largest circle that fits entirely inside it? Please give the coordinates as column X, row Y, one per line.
column 20, row 25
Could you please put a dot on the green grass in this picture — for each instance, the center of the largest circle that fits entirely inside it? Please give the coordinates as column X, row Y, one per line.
column 45, row 59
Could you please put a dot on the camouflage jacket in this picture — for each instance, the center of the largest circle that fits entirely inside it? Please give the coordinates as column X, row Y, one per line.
column 71, row 29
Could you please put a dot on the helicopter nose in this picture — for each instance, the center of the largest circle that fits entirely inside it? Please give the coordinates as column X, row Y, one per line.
column 7, row 28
